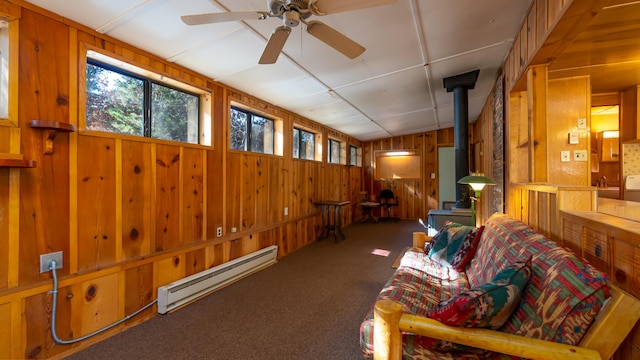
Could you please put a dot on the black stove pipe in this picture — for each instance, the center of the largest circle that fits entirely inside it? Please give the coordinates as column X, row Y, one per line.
column 460, row 85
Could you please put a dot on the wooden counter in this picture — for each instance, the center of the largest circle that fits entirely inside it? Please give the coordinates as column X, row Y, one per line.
column 620, row 208
column 609, row 242
column 612, row 244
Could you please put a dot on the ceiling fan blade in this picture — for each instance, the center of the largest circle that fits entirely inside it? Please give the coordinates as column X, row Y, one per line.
column 222, row 17
column 336, row 6
column 275, row 45
column 335, row 39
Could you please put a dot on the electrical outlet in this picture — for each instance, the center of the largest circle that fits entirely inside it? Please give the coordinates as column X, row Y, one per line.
column 219, row 231
column 46, row 259
column 580, row 155
column 234, row 230
column 565, row 156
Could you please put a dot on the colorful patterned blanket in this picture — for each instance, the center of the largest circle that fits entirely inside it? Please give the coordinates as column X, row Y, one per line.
column 517, row 281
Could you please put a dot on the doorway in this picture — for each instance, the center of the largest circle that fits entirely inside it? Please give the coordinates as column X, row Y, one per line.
column 606, row 150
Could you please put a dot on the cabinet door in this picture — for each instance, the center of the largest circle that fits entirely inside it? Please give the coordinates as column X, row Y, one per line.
column 610, row 149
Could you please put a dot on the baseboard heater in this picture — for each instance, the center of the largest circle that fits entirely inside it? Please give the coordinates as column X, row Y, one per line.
column 178, row 293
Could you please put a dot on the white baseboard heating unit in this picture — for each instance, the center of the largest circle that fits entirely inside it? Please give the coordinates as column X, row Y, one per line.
column 178, row 293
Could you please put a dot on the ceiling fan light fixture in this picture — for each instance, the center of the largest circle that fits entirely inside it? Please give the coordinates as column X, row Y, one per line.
column 292, row 13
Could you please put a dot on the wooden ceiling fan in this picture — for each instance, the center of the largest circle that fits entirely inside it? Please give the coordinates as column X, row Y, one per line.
column 292, row 13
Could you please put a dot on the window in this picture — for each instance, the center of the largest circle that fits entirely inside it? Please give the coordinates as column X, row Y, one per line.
column 353, row 156
column 251, row 132
column 4, row 69
column 123, row 99
column 304, row 144
column 334, row 152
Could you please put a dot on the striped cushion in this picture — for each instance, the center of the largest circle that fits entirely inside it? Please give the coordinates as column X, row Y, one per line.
column 564, row 293
column 419, row 284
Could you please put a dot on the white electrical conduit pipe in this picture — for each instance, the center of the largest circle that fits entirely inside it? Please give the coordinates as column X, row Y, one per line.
column 54, row 294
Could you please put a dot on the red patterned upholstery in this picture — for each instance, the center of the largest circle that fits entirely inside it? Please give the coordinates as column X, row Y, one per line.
column 561, row 299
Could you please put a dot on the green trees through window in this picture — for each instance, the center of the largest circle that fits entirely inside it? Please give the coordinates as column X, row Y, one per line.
column 251, row 132
column 334, row 151
column 303, row 144
column 125, row 103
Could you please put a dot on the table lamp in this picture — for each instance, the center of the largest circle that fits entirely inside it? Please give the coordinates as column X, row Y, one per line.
column 477, row 183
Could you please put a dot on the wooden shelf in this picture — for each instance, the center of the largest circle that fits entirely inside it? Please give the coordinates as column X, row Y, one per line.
column 52, row 127
column 17, row 163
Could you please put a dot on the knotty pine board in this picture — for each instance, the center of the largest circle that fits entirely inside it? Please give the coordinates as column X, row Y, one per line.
column 167, row 179
column 139, row 290
column 192, row 195
column 96, row 202
column 138, row 200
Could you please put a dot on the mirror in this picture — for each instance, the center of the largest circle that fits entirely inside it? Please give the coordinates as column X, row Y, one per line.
column 605, row 149
column 609, row 145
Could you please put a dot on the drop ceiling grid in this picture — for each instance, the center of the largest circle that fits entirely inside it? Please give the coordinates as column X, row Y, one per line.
column 388, row 88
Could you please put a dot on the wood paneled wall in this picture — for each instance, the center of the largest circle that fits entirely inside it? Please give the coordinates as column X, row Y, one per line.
column 541, row 113
column 610, row 243
column 129, row 213
column 415, row 196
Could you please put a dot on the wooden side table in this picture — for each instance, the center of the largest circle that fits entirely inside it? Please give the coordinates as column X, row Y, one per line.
column 327, row 224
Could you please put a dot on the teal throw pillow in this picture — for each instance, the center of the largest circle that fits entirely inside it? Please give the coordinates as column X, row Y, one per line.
column 489, row 305
column 454, row 245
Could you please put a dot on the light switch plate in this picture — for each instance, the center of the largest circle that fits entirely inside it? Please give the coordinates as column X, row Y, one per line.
column 565, row 156
column 582, row 123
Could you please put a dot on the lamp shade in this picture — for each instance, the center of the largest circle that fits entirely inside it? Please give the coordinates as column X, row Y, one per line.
column 477, row 182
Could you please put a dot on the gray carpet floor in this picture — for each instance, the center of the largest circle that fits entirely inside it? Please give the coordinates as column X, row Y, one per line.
column 307, row 306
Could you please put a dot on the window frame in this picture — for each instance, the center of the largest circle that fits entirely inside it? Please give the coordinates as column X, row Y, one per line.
column 358, row 155
column 330, row 152
column 317, row 147
column 250, row 114
column 342, row 154
column 92, row 53
column 10, row 56
column 147, row 95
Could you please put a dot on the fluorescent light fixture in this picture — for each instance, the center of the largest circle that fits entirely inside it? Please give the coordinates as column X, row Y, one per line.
column 397, row 153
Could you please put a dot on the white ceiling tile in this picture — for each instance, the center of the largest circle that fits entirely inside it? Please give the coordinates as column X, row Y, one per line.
column 462, row 25
column 159, row 29
column 410, row 123
column 387, row 96
column 215, row 59
column 334, row 113
column 92, row 13
column 366, row 130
